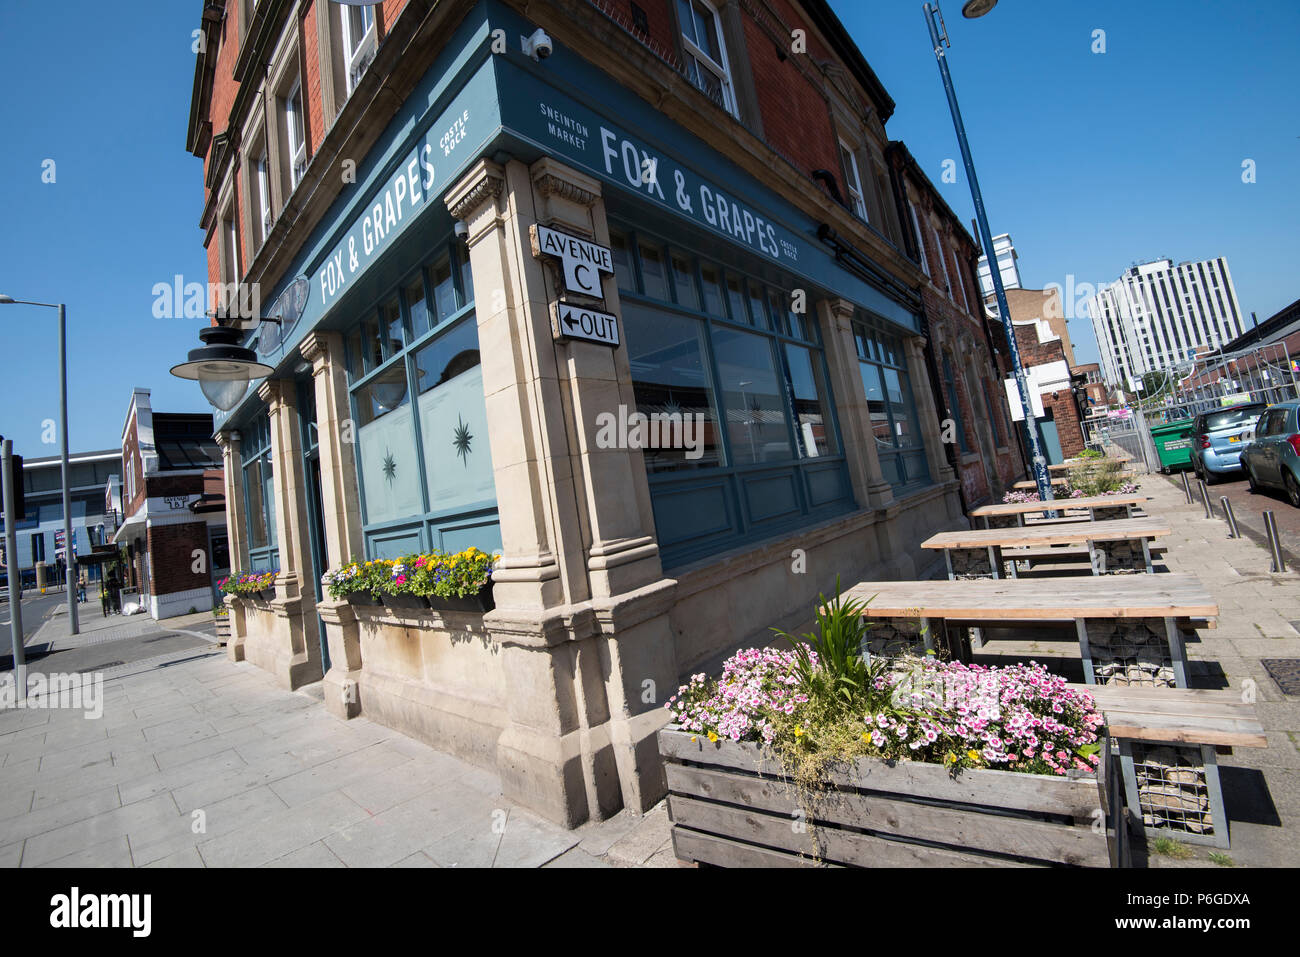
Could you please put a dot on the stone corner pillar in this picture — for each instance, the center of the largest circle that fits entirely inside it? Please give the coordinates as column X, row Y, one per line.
column 341, row 683
column 238, row 628
column 582, row 603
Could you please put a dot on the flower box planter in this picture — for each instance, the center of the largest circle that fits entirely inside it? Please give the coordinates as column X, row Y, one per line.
column 480, row 602
column 405, row 602
column 731, row 807
column 363, row 599
column 265, row 594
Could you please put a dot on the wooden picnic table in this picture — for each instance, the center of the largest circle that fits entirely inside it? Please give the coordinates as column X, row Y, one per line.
column 1099, row 507
column 1031, row 483
column 1114, row 546
column 1127, row 626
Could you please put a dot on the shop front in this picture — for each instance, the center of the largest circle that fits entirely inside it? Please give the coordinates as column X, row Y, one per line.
column 549, row 324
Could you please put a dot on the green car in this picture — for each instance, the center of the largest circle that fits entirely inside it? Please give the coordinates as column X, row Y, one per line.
column 1273, row 459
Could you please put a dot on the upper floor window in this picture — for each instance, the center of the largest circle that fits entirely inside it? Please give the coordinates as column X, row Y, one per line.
column 854, row 182
column 920, row 240
column 295, row 129
column 706, row 53
column 359, row 42
column 262, row 170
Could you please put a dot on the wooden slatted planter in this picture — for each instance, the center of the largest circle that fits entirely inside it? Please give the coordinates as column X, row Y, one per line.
column 730, row 807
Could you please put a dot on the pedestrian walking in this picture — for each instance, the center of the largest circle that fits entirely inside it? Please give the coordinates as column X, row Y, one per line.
column 115, row 592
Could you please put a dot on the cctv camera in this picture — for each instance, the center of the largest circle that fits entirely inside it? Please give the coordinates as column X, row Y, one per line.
column 462, row 231
column 538, row 46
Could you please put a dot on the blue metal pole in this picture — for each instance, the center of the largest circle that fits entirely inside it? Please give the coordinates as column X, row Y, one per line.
column 1039, row 463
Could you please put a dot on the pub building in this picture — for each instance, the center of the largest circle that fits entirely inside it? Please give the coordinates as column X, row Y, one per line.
column 483, row 238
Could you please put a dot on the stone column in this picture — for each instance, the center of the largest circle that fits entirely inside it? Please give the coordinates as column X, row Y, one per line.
column 580, row 596
column 341, row 510
column 835, row 317
column 292, row 654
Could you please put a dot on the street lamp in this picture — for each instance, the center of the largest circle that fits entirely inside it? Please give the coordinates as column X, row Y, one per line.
column 222, row 366
column 939, row 37
column 70, row 559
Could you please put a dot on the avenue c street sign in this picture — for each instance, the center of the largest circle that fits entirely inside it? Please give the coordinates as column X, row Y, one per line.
column 577, row 322
column 582, row 260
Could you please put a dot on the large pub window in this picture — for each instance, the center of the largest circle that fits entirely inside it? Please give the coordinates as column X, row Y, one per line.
column 424, row 468
column 259, row 494
column 718, row 346
column 899, row 444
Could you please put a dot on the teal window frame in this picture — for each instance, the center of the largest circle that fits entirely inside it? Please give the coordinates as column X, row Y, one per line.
column 255, row 450
column 425, row 529
column 904, row 464
column 800, row 489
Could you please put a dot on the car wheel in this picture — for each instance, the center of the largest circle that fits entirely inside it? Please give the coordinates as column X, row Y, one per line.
column 1293, row 490
column 1250, row 477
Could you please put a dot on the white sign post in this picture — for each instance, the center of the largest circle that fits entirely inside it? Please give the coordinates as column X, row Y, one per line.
column 582, row 261
column 576, row 322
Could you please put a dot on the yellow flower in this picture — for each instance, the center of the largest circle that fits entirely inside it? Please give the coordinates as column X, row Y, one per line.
column 865, row 736
column 693, row 737
column 713, row 736
column 798, row 731
column 973, row 755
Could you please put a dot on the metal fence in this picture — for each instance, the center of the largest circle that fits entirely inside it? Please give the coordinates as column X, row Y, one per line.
column 1267, row 374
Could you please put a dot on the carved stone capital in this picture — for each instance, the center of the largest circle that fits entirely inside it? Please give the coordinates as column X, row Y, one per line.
column 320, row 348
column 483, row 183
column 551, row 178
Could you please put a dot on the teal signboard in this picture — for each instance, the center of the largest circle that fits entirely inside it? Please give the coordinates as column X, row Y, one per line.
column 560, row 125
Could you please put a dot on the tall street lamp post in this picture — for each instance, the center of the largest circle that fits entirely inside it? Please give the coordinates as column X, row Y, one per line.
column 939, row 37
column 70, row 559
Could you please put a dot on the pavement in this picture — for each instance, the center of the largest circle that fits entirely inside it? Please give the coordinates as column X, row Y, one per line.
column 198, row 761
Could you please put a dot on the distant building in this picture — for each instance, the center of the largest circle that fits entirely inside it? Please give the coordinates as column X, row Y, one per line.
column 40, row 530
column 173, row 509
column 1283, row 326
column 1158, row 316
column 1005, row 252
column 1048, row 357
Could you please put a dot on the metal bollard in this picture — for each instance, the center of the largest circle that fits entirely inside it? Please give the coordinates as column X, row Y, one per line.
column 1270, row 526
column 1205, row 497
column 1229, row 517
column 1187, row 488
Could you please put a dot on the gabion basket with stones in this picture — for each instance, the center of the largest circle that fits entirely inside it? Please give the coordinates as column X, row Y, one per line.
column 1119, row 557
column 890, row 637
column 1172, row 789
column 1127, row 651
column 968, row 563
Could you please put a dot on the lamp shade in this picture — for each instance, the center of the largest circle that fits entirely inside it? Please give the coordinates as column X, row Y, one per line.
column 222, row 366
column 977, row 8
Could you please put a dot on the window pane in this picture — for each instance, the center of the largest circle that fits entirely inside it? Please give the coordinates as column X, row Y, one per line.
column 371, row 343
column 670, row 377
column 706, row 37
column 899, row 392
column 444, row 292
column 386, row 459
column 390, row 315
column 383, row 394
column 623, row 268
column 780, row 315
column 751, row 394
column 757, row 311
column 652, row 272
column 256, row 517
column 736, row 298
column 453, row 420
column 419, row 309
column 877, row 406
column 811, row 402
column 355, row 354
column 451, row 354
column 711, row 277
column 268, row 496
column 684, row 282
column 466, row 276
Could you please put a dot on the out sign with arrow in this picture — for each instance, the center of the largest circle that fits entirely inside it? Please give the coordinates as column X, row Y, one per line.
column 575, row 322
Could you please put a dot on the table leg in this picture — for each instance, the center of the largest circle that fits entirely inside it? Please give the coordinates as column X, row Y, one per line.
column 1174, row 790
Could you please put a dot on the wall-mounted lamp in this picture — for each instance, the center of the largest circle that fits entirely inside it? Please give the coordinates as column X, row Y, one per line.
column 223, row 366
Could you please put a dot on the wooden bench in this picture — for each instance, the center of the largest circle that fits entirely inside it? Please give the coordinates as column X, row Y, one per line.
column 1099, row 508
column 1167, row 742
column 1119, row 546
column 1058, row 482
column 1127, row 626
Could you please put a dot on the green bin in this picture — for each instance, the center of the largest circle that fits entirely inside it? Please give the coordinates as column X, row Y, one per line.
column 1173, row 442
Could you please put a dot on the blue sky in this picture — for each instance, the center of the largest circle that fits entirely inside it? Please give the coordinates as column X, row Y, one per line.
column 1095, row 161
column 1090, row 161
